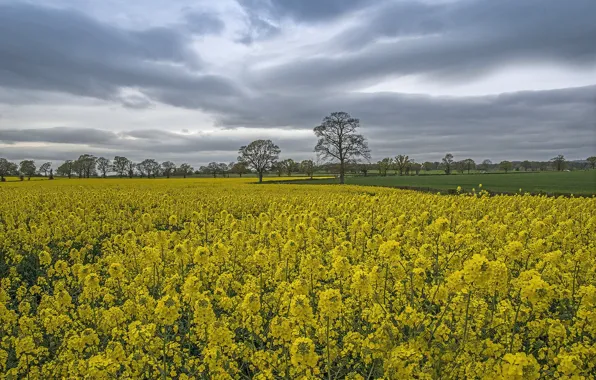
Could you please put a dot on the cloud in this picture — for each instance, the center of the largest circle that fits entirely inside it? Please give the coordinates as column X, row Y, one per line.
column 453, row 41
column 304, row 10
column 73, row 82
column 202, row 23
column 66, row 51
column 529, row 124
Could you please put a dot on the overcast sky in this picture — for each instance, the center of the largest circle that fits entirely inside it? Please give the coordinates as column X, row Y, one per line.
column 192, row 81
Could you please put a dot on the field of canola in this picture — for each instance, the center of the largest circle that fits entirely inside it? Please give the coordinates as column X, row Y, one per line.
column 225, row 279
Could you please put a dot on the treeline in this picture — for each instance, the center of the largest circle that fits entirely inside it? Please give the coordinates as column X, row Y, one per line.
column 402, row 164
column 339, row 144
column 89, row 166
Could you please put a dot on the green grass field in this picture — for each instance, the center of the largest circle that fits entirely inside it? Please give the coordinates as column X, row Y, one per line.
column 575, row 182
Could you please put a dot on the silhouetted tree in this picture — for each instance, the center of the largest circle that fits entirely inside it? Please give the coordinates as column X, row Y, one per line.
column 338, row 140
column 104, row 165
column 45, row 168
column 259, row 155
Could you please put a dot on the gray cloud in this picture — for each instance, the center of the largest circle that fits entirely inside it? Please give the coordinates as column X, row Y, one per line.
column 202, row 23
column 46, row 51
column 66, row 51
column 304, row 10
column 453, row 41
column 529, row 124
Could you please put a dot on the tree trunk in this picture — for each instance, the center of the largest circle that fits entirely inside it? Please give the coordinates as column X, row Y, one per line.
column 260, row 177
column 342, row 171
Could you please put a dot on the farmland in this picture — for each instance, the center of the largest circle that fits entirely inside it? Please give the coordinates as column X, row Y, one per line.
column 220, row 278
column 575, row 182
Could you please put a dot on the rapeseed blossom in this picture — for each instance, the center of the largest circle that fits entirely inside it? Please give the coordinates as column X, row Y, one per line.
column 225, row 279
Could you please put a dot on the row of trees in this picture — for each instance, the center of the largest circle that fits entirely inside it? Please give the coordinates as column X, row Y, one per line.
column 402, row 164
column 338, row 144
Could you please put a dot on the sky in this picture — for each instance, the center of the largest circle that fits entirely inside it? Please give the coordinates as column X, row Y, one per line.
column 193, row 80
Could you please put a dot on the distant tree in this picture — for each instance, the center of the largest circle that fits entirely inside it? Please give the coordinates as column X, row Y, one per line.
column 45, row 168
column 415, row 167
column 289, row 166
column 339, row 140
column 460, row 166
column 168, row 168
column 6, row 168
column 104, row 165
column 308, row 167
column 78, row 169
column 526, row 165
column 223, row 169
column 259, row 155
column 278, row 168
column 87, row 165
column 364, row 168
column 558, row 162
column 592, row 161
column 120, row 165
column 130, row 168
column 65, row 169
column 27, row 168
column 469, row 164
column 505, row 166
column 384, row 165
column 486, row 164
column 185, row 169
column 51, row 174
column 140, row 167
column 428, row 166
column 152, row 167
column 212, row 168
column 239, row 168
column 401, row 163
column 448, row 163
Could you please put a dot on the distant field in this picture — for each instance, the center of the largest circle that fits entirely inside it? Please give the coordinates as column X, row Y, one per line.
column 575, row 182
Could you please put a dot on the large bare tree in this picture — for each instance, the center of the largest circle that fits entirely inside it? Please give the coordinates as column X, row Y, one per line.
column 339, row 141
column 260, row 155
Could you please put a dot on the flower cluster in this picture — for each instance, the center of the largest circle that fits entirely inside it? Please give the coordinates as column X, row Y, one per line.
column 225, row 279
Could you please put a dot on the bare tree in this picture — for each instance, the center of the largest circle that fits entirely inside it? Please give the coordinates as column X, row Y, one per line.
column 401, row 163
column 130, row 168
column 121, row 165
column 259, row 155
column 289, row 166
column 185, row 169
column 213, row 168
column 45, row 168
column 104, row 165
column 308, row 167
column 469, row 164
column 88, row 164
column 338, row 140
column 168, row 168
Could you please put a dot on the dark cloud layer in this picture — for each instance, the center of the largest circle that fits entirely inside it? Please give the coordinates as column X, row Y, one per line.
column 453, row 41
column 524, row 124
column 50, row 50
column 66, row 51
